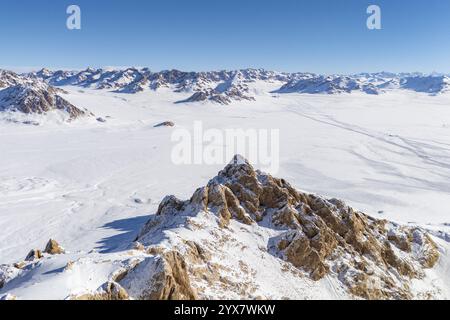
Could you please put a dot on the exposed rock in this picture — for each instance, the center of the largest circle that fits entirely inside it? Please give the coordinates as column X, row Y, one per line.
column 165, row 124
column 163, row 277
column 20, row 265
column 374, row 259
column 108, row 291
column 53, row 247
column 34, row 254
column 37, row 97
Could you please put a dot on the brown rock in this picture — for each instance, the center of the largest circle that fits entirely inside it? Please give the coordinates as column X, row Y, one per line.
column 319, row 233
column 34, row 254
column 108, row 291
column 53, row 247
column 173, row 282
column 19, row 265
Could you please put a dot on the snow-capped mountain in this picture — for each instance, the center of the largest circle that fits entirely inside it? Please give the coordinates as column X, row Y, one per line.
column 428, row 84
column 226, row 86
column 217, row 86
column 329, row 85
column 247, row 235
column 9, row 78
column 36, row 93
column 33, row 96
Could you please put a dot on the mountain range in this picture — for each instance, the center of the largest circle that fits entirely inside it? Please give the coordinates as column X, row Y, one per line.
column 234, row 84
column 36, row 92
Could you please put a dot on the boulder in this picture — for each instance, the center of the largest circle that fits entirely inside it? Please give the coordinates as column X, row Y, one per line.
column 53, row 248
column 34, row 254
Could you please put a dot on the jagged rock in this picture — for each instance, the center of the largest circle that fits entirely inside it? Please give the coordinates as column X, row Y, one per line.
column 373, row 258
column 108, row 291
column 37, row 97
column 53, row 247
column 34, row 254
column 20, row 265
column 9, row 78
column 163, row 277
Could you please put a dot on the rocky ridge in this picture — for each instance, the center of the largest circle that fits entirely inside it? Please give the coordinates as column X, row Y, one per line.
column 248, row 235
column 372, row 259
column 224, row 87
column 33, row 96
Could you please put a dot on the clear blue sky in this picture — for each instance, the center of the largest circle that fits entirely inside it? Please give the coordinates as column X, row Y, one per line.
column 325, row 36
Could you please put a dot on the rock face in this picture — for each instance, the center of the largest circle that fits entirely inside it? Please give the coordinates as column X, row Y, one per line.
column 248, row 235
column 109, row 291
column 370, row 258
column 34, row 254
column 164, row 277
column 36, row 98
column 224, row 93
column 9, row 78
column 53, row 247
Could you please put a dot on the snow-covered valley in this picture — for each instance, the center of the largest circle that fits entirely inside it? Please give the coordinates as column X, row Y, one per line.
column 92, row 185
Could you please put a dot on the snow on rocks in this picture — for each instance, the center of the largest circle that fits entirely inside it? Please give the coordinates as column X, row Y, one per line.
column 8, row 273
column 37, row 97
column 248, row 235
column 53, row 247
column 370, row 258
column 34, row 254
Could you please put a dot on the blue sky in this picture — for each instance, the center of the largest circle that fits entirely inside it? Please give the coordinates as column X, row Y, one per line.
column 325, row 36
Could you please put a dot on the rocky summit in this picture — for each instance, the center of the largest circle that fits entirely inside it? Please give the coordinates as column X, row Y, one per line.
column 248, row 235
column 301, row 234
column 29, row 95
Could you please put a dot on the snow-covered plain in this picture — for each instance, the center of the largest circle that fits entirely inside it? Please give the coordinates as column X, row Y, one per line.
column 92, row 185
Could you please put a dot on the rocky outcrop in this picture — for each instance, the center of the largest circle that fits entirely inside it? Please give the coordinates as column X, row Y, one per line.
column 9, row 78
column 37, row 98
column 373, row 259
column 161, row 277
column 33, row 255
column 53, row 247
column 165, row 124
column 248, row 235
column 108, row 291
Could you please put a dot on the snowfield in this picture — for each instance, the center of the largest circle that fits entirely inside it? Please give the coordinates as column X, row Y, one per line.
column 92, row 185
